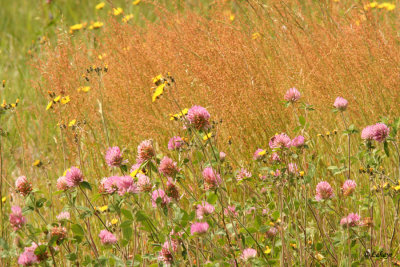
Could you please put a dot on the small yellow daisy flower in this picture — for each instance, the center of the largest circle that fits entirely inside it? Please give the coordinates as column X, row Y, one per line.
column 72, row 123
column 117, row 11
column 49, row 105
column 3, row 199
column 100, row 5
column 127, row 18
column 83, row 89
column 207, row 136
column 267, row 250
column 37, row 163
column 136, row 2
column 65, row 100
column 255, row 35
column 56, row 99
column 96, row 25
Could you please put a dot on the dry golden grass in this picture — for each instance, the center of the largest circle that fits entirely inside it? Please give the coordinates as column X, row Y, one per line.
column 323, row 50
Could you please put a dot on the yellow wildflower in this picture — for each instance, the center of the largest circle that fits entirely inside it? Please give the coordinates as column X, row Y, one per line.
column 84, row 89
column 117, row 11
column 302, row 173
column 4, row 83
column 136, row 2
column 72, row 123
column 158, row 92
column 293, row 245
column 3, row 199
column 158, row 78
column 100, row 5
column 75, row 28
column 207, row 136
column 102, row 56
column 65, row 100
column 231, row 17
column 49, row 105
column 127, row 18
column 96, row 25
column 37, row 163
column 267, row 250
column 255, row 35
column 114, row 221
column 57, row 99
column 262, row 153
column 102, row 208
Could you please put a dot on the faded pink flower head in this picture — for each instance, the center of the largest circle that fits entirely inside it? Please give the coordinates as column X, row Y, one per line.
column 275, row 157
column 280, row 141
column 292, row 95
column 107, row 238
column 340, row 103
column 135, row 167
column 175, row 143
column 127, row 185
column 114, row 157
column 222, row 156
column 172, row 189
column 165, row 254
column 17, row 220
column 292, row 168
column 22, row 186
column 62, row 183
column 348, row 187
column 199, row 228
column 168, row 167
column 199, row 117
column 73, row 177
column 63, row 216
column 298, row 141
column 143, row 183
column 231, row 210
column 323, row 191
column 368, row 132
column 351, row 220
column 204, row 209
column 259, row 154
column 381, row 131
column 243, row 174
column 211, row 178
column 271, row 232
column 159, row 194
column 248, row 253
column 145, row 151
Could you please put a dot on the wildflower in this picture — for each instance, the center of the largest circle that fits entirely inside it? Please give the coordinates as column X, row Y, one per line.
column 292, row 168
column 126, row 185
column 65, row 100
column 231, row 210
column 102, row 208
column 259, row 154
column 319, row 257
column 107, row 238
column 63, row 216
column 172, row 190
column 255, row 35
column 110, row 184
column 168, row 167
column 381, row 131
column 211, row 178
column 222, row 156
column 175, row 143
column 207, row 136
column 280, row 141
column 72, row 123
column 22, row 186
column 17, row 220
column 62, row 183
column 49, row 105
column 145, row 151
column 127, row 18
column 59, row 232
column 117, row 11
column 165, row 254
column 199, row 117
column 157, row 195
column 143, row 183
column 248, row 253
column 28, row 257
column 73, row 177
column 83, row 89
column 298, row 141
column 179, row 115
column 96, row 25
column 114, row 157
column 323, row 191
column 368, row 132
column 350, row 221
column 348, row 187
column 199, row 228
column 267, row 250
column 292, row 95
column 275, row 157
column 136, row 2
column 75, row 28
column 100, row 5
column 271, row 232
column 204, row 209
column 340, row 103
column 243, row 174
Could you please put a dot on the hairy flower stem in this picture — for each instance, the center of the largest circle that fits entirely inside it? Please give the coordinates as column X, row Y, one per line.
column 101, row 106
column 348, row 144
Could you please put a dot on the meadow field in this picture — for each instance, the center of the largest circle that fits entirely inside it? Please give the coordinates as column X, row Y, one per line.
column 199, row 133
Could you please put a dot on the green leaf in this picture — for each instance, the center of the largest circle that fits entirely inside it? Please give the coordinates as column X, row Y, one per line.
column 86, row 185
column 386, row 148
column 127, row 214
column 77, row 230
column 302, row 120
column 72, row 257
column 40, row 250
column 140, row 216
column 212, row 198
